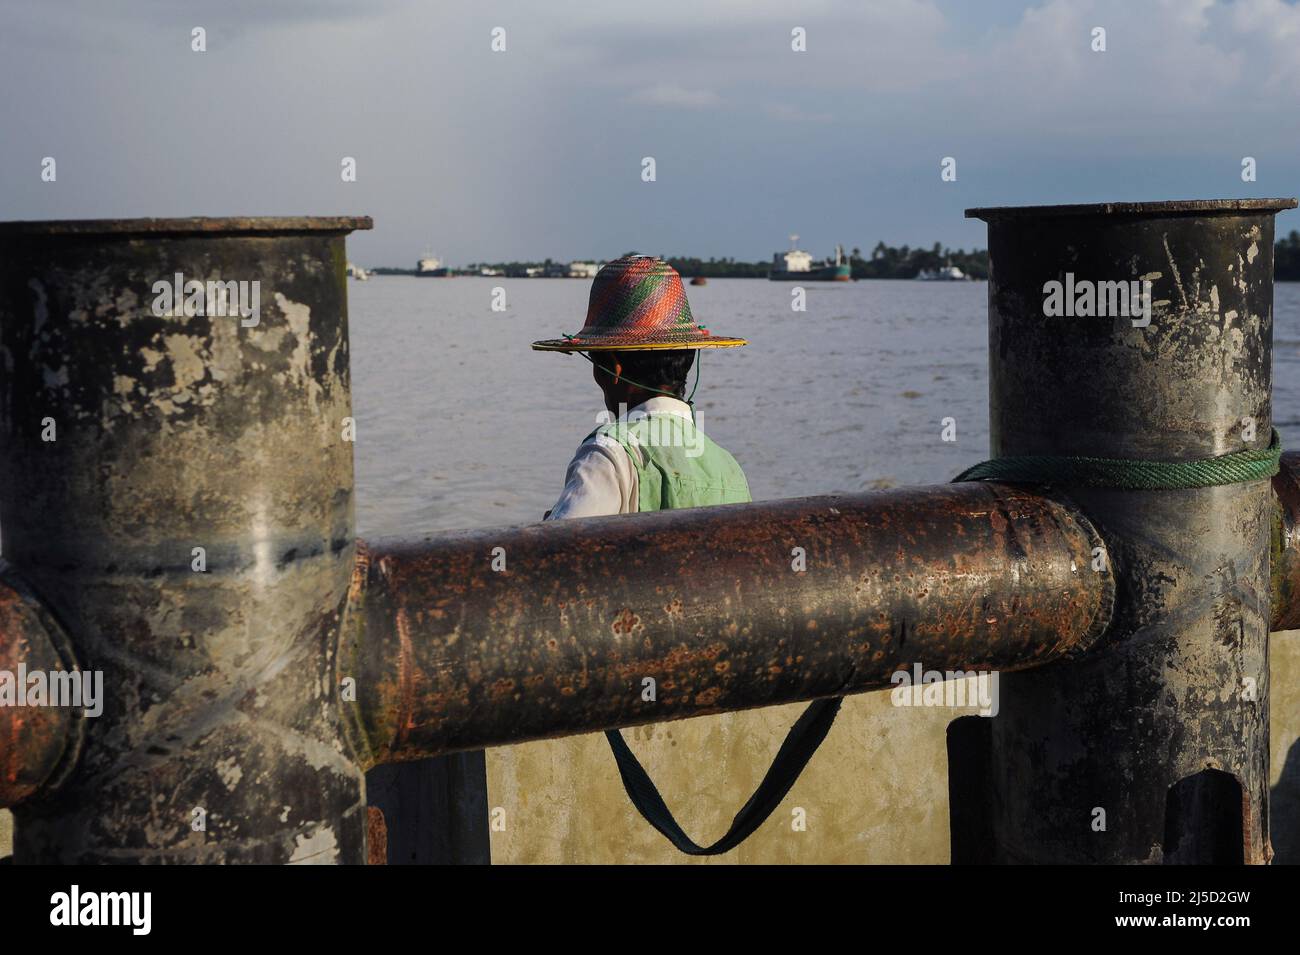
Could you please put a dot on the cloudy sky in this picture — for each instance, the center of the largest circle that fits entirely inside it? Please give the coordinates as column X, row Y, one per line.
column 536, row 151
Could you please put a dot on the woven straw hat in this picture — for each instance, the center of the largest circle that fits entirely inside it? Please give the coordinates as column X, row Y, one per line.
column 638, row 303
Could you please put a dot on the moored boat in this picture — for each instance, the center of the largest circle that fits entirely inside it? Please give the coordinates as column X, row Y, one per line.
column 948, row 273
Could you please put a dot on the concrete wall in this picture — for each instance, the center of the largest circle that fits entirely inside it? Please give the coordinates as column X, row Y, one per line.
column 1284, row 751
column 877, row 790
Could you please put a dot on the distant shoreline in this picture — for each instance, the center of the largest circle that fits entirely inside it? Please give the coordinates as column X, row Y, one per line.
column 463, row 274
column 884, row 262
column 476, row 275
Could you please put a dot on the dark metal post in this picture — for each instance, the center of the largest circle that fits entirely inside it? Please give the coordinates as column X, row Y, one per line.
column 1132, row 753
column 435, row 810
column 177, row 490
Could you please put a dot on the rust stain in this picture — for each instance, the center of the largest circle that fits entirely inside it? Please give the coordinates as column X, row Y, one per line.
column 376, row 837
column 626, row 622
column 406, row 700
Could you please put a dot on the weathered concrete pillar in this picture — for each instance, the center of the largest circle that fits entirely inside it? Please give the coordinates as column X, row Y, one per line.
column 1154, row 748
column 177, row 490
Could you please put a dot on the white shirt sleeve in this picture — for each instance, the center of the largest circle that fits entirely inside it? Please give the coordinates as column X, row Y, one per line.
column 600, row 480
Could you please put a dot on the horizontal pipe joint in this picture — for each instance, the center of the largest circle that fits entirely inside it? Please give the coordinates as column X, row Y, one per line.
column 40, row 733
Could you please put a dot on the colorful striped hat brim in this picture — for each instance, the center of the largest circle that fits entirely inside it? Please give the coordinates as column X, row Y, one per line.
column 638, row 303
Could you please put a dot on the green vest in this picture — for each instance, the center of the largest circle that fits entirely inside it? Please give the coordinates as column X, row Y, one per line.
column 677, row 465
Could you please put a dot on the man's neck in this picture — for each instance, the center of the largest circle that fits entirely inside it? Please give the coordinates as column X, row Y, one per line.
column 637, row 396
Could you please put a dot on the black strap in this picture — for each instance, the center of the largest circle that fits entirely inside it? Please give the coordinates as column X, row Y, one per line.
column 800, row 744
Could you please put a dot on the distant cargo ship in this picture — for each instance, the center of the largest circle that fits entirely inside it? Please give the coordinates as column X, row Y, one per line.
column 797, row 266
column 431, row 267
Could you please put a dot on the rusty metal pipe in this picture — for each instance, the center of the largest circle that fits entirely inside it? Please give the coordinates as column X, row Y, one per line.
column 449, row 654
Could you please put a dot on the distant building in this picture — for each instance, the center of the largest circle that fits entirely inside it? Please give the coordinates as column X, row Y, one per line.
column 583, row 270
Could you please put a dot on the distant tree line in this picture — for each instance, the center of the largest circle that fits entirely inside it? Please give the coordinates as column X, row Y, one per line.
column 719, row 268
column 902, row 262
column 1286, row 258
column 551, row 268
column 884, row 262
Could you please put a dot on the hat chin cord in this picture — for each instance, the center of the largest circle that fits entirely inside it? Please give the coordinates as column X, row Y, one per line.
column 689, row 399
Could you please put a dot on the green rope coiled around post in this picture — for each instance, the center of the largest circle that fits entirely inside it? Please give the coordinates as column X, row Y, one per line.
column 1235, row 468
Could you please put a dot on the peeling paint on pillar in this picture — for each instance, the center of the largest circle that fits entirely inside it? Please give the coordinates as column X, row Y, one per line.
column 1164, row 697
column 175, row 432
